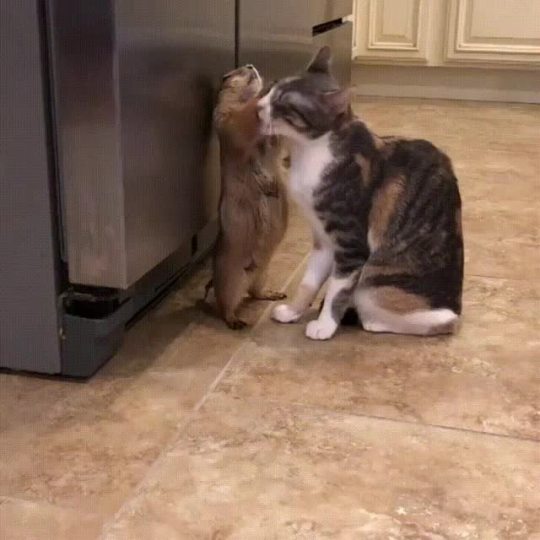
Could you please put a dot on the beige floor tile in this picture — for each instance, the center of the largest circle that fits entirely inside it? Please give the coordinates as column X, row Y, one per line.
column 246, row 470
column 493, row 237
column 88, row 444
column 93, row 447
column 26, row 520
column 498, row 177
column 490, row 255
column 449, row 381
column 497, row 219
column 26, row 399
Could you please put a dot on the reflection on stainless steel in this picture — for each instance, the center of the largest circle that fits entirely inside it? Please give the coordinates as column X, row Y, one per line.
column 134, row 85
column 277, row 36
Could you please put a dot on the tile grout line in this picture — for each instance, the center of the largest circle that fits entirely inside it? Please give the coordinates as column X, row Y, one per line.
column 48, row 504
column 261, row 318
column 334, row 412
column 181, row 426
column 482, row 276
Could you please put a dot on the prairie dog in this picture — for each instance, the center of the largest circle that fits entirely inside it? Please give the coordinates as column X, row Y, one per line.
column 253, row 206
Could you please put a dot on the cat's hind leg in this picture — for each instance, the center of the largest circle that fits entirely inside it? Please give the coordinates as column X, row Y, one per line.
column 393, row 310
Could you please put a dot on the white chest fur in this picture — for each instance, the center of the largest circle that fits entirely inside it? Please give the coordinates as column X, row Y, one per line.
column 308, row 164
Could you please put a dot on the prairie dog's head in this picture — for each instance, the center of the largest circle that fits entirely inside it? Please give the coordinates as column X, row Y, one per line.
column 238, row 87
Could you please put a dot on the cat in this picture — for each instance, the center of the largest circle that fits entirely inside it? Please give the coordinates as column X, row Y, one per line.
column 253, row 208
column 385, row 213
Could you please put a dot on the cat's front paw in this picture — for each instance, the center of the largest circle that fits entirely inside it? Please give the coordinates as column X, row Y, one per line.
column 320, row 330
column 285, row 314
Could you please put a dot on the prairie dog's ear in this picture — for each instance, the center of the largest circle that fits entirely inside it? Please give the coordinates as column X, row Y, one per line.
column 338, row 100
column 321, row 61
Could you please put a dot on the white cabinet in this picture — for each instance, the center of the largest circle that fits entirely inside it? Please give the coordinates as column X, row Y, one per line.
column 504, row 32
column 392, row 30
column 474, row 33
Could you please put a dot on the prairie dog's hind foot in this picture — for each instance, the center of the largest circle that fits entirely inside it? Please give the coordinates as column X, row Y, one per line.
column 236, row 324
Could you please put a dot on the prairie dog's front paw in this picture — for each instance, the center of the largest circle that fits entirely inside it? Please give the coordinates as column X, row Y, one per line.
column 269, row 295
column 320, row 330
column 284, row 313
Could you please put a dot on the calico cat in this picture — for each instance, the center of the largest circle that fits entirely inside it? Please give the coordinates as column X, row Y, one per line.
column 385, row 214
column 253, row 208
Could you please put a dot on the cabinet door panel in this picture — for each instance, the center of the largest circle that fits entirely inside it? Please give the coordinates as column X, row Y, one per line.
column 392, row 30
column 494, row 32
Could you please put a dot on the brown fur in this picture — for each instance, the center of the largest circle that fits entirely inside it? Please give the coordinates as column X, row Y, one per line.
column 253, row 205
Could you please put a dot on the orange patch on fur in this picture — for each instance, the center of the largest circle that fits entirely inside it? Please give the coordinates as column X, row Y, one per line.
column 399, row 301
column 371, row 270
column 365, row 167
column 383, row 208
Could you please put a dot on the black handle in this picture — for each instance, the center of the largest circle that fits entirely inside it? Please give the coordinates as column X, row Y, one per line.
column 326, row 26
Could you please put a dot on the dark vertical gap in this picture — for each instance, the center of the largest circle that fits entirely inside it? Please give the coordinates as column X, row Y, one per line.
column 194, row 244
column 50, row 140
column 237, row 33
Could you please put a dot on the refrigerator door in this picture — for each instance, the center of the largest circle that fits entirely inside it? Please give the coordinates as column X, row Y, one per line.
column 29, row 288
column 277, row 36
column 134, row 83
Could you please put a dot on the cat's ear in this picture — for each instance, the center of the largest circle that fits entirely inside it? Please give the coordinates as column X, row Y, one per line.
column 321, row 61
column 338, row 100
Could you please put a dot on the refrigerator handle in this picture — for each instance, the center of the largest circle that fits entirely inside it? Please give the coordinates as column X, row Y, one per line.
column 324, row 27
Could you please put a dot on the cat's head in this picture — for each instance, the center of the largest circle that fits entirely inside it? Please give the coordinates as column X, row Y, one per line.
column 306, row 107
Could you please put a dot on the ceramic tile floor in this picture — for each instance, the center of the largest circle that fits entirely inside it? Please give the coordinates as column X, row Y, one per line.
column 196, row 432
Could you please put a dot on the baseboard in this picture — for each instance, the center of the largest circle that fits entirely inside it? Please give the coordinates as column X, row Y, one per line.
column 447, row 83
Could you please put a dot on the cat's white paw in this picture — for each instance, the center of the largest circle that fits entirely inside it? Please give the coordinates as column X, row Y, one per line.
column 285, row 314
column 320, row 329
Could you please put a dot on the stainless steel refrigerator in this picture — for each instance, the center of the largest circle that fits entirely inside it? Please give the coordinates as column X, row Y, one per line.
column 109, row 164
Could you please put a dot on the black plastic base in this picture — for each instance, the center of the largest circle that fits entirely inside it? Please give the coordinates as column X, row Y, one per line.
column 89, row 341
